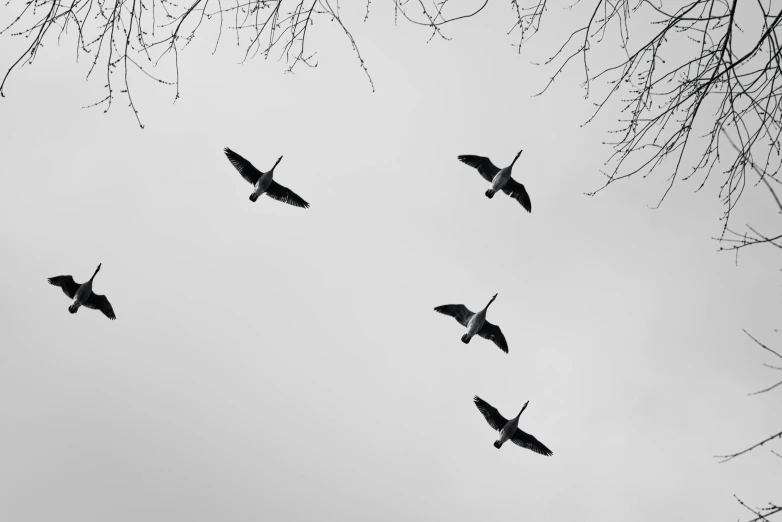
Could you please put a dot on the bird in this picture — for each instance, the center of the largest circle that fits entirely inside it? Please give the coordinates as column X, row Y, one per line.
column 263, row 182
column 475, row 323
column 500, row 179
column 82, row 294
column 509, row 428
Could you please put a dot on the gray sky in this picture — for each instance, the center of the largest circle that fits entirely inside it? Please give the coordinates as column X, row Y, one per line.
column 273, row 362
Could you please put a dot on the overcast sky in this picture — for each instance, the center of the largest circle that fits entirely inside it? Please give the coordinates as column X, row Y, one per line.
column 275, row 363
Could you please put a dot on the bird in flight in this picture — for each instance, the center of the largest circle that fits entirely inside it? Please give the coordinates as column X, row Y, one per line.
column 509, row 428
column 475, row 323
column 83, row 295
column 262, row 182
column 500, row 179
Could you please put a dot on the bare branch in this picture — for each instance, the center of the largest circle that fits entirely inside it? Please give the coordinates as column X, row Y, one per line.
column 767, row 511
column 767, row 389
column 761, row 344
column 693, row 72
column 767, row 365
column 732, row 456
column 121, row 36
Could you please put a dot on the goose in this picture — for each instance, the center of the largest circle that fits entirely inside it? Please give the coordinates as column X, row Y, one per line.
column 475, row 323
column 509, row 428
column 82, row 294
column 499, row 178
column 263, row 182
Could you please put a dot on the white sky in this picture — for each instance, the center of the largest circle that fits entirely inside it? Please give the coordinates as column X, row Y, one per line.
column 270, row 362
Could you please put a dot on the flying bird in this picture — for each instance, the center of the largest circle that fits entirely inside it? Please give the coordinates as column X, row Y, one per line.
column 83, row 295
column 263, row 182
column 475, row 323
column 509, row 428
column 500, row 179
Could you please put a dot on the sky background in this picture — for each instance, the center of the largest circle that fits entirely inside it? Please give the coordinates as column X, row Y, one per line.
column 270, row 362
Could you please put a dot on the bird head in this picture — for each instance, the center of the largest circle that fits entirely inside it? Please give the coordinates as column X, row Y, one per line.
column 523, row 408
column 490, row 301
column 517, row 156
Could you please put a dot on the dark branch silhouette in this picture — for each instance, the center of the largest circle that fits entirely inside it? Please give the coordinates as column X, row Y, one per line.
column 737, row 240
column 698, row 74
column 760, row 513
column 763, row 512
column 726, row 458
column 134, row 36
column 766, row 365
column 732, row 456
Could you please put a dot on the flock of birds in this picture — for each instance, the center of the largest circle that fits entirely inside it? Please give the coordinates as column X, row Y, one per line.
column 475, row 323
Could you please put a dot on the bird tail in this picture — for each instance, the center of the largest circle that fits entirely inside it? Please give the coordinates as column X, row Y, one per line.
column 466, row 338
column 490, row 193
column 73, row 308
column 497, row 444
column 253, row 197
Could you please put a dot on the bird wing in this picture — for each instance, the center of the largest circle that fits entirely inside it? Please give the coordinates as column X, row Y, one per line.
column 99, row 302
column 485, row 167
column 457, row 311
column 493, row 333
column 517, row 191
column 490, row 413
column 525, row 440
column 285, row 195
column 66, row 282
column 245, row 168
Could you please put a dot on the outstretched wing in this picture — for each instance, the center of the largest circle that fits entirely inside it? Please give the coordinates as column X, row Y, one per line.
column 525, row 440
column 485, row 167
column 493, row 333
column 66, row 282
column 99, row 302
column 245, row 168
column 490, row 413
column 517, row 191
column 457, row 311
column 285, row 195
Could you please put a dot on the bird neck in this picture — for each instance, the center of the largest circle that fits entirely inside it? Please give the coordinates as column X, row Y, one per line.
column 517, row 157
column 96, row 273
